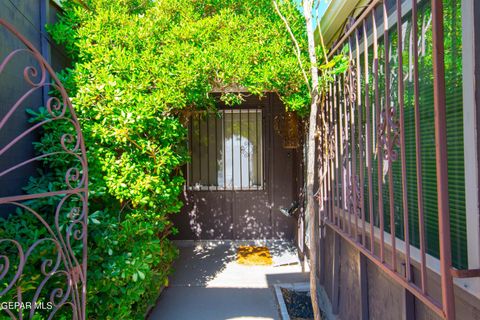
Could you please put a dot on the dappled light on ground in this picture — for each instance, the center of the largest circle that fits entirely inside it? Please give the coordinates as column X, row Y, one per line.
column 209, row 283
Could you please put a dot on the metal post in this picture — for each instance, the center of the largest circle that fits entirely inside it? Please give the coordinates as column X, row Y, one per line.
column 448, row 300
column 207, row 121
column 388, row 109
column 44, row 46
column 416, row 91
column 403, row 157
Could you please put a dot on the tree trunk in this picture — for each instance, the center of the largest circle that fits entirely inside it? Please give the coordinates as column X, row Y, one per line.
column 312, row 128
column 313, row 216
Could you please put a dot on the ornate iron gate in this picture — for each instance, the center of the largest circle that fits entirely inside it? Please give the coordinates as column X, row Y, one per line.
column 43, row 269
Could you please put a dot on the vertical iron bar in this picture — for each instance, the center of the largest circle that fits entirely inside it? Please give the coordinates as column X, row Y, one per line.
column 342, row 155
column 353, row 172
column 200, row 150
column 208, row 150
column 318, row 164
column 44, row 46
column 248, row 147
column 337, row 152
column 330, row 153
column 216, row 152
column 322, row 171
column 190, row 147
column 379, row 141
column 240, row 146
column 324, row 162
column 347, row 160
column 259, row 179
column 360, row 138
column 403, row 158
column 388, row 133
column 327, row 153
column 448, row 300
column 233, row 151
column 341, row 116
column 369, row 137
column 224, row 129
column 416, row 93
column 325, row 143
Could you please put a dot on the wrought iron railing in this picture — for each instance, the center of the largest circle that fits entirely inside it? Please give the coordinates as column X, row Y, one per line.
column 373, row 156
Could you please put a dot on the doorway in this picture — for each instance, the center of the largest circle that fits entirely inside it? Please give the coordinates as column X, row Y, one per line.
column 239, row 176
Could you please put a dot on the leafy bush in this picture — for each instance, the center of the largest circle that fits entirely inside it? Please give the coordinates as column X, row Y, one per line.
column 138, row 68
column 169, row 55
column 129, row 254
column 23, row 227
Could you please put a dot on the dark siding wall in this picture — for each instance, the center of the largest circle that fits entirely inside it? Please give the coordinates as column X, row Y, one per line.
column 284, row 163
column 25, row 16
column 477, row 68
column 386, row 298
column 248, row 214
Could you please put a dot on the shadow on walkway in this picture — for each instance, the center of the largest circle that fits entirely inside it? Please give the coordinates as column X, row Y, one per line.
column 208, row 284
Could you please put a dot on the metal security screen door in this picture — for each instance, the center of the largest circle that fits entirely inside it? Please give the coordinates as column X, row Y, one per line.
column 234, row 186
column 226, row 150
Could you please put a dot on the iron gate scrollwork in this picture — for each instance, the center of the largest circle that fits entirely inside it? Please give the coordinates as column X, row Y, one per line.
column 46, row 277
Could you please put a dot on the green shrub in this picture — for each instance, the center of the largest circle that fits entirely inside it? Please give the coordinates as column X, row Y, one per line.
column 129, row 254
column 23, row 227
column 138, row 68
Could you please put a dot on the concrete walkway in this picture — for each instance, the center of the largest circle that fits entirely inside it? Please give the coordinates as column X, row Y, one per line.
column 208, row 284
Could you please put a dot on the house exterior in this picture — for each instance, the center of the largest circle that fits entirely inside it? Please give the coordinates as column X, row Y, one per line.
column 398, row 167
